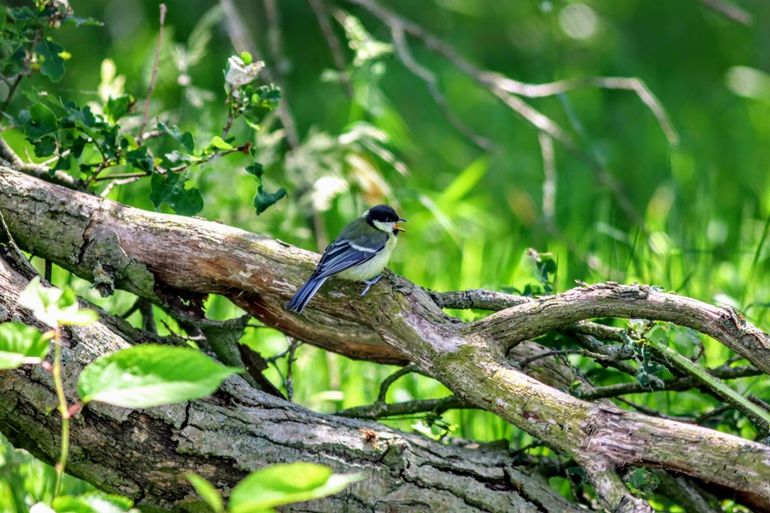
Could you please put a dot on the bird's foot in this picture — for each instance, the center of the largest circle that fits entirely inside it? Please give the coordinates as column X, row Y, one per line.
column 369, row 284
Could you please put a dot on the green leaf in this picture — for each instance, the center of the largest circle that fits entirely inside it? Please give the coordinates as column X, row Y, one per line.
column 54, row 306
column 185, row 139
column 255, row 169
column 53, row 64
column 177, row 157
column 77, row 317
column 21, row 344
column 207, row 492
column 80, row 116
column 264, row 200
column 161, row 187
column 38, row 121
column 118, row 107
column 141, row 159
column 63, row 163
column 286, row 484
column 187, row 202
column 150, row 375
column 45, row 146
column 77, row 147
column 219, row 143
column 170, row 188
column 82, row 22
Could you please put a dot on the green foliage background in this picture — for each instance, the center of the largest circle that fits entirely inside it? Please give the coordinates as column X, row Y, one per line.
column 701, row 209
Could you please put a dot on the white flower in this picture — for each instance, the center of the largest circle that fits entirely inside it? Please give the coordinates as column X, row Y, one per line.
column 239, row 73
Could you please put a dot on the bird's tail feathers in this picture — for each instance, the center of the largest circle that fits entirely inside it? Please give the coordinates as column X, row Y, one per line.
column 305, row 294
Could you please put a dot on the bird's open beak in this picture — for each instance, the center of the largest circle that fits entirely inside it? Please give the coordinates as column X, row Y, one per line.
column 397, row 227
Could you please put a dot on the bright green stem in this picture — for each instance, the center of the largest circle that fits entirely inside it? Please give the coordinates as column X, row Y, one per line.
column 757, row 415
column 63, row 410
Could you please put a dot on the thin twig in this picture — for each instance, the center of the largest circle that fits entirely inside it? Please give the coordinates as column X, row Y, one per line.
column 120, row 176
column 607, row 360
column 676, row 384
column 615, row 356
column 41, row 171
column 15, row 256
column 11, row 92
column 379, row 410
column 700, row 419
column 335, row 47
column 289, row 382
column 148, row 317
column 61, row 464
column 154, row 74
column 654, row 413
column 405, row 55
column 758, row 415
column 549, row 177
column 730, row 11
column 558, row 87
column 387, row 382
column 131, row 309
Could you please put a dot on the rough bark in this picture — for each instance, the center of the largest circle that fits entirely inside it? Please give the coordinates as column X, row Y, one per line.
column 144, row 454
column 156, row 256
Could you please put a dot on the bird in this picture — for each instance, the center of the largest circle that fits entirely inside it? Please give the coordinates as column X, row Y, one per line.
column 359, row 253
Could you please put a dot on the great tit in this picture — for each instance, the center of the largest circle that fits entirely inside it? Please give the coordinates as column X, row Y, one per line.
column 360, row 253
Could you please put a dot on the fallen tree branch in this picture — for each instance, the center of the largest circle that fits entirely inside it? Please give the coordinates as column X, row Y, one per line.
column 533, row 319
column 144, row 454
column 161, row 256
column 382, row 410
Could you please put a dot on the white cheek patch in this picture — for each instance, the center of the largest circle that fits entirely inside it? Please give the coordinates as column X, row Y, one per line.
column 384, row 226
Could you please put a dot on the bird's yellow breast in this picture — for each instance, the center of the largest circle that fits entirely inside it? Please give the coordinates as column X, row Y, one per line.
column 372, row 267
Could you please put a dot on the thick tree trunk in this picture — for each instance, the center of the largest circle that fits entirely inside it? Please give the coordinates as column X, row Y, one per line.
column 144, row 454
column 160, row 257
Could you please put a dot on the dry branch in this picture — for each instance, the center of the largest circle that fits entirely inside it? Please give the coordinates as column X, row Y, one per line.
column 631, row 301
column 162, row 257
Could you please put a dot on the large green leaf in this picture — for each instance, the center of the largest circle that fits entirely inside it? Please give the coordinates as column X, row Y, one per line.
column 150, row 375
column 20, row 344
column 53, row 63
column 286, row 484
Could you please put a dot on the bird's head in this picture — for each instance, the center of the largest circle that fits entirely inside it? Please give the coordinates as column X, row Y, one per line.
column 384, row 218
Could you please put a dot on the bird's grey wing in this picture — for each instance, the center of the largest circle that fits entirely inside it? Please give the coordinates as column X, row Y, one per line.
column 343, row 254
